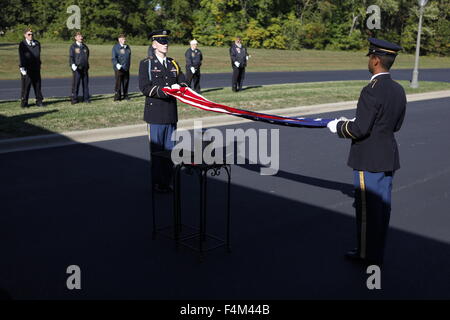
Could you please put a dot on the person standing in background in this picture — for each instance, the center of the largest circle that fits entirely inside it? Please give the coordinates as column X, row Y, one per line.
column 79, row 63
column 121, row 61
column 30, row 68
column 239, row 57
column 194, row 60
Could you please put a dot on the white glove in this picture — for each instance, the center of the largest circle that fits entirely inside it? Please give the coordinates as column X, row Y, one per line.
column 176, row 86
column 118, row 66
column 237, row 64
column 345, row 119
column 23, row 71
column 247, row 57
column 74, row 67
column 332, row 125
column 192, row 70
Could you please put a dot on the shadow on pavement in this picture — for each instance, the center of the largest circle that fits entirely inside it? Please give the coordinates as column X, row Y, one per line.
column 91, row 208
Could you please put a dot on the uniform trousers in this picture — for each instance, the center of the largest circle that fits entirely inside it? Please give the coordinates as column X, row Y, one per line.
column 83, row 77
column 238, row 78
column 33, row 77
column 160, row 140
column 122, row 80
column 193, row 79
column 373, row 211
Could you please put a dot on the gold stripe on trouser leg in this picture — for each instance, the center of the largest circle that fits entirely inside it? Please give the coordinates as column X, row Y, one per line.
column 362, row 186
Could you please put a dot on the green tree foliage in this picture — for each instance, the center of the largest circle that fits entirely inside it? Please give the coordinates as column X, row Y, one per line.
column 279, row 24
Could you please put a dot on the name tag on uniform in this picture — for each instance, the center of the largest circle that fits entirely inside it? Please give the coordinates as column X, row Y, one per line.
column 173, row 70
column 77, row 50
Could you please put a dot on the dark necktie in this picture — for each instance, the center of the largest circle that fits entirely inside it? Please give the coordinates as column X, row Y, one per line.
column 164, row 62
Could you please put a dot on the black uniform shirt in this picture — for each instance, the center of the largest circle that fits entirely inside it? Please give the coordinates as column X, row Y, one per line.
column 380, row 112
column 159, row 108
column 79, row 56
column 30, row 55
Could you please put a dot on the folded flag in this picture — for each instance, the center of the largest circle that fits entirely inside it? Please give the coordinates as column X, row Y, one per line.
column 190, row 97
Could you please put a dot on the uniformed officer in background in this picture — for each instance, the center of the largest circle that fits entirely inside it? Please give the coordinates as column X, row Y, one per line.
column 239, row 57
column 374, row 154
column 194, row 60
column 121, row 60
column 30, row 68
column 160, row 112
column 79, row 63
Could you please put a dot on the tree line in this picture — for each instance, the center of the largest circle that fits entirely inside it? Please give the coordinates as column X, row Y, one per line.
column 276, row 24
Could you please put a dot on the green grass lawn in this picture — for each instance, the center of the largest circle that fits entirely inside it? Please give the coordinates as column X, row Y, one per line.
column 60, row 116
column 55, row 60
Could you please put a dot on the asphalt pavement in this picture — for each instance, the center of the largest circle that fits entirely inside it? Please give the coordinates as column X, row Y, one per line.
column 89, row 205
column 10, row 89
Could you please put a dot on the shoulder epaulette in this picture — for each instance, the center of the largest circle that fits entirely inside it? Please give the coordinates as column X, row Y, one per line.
column 373, row 83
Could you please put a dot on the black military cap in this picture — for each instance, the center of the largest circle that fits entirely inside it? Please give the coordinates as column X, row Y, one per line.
column 382, row 47
column 162, row 36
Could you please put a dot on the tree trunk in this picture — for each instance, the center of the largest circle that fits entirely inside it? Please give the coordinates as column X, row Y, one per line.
column 355, row 18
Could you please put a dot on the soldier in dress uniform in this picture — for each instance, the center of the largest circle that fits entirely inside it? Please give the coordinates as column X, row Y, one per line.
column 374, row 154
column 30, row 68
column 79, row 63
column 239, row 57
column 160, row 112
column 194, row 60
column 121, row 61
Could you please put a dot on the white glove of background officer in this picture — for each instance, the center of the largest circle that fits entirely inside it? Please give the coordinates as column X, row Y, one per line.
column 118, row 66
column 192, row 70
column 74, row 67
column 237, row 64
column 23, row 71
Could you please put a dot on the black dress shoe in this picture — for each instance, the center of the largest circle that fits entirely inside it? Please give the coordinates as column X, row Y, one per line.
column 126, row 98
column 354, row 256
column 39, row 104
column 159, row 188
column 24, row 105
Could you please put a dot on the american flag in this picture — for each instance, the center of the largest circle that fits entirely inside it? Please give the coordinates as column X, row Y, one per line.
column 190, row 97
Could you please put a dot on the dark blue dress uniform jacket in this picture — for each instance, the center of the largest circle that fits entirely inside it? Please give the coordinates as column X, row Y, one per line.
column 79, row 56
column 379, row 113
column 194, row 58
column 159, row 108
column 121, row 56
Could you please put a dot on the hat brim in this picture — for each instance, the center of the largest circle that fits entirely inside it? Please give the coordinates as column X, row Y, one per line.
column 162, row 40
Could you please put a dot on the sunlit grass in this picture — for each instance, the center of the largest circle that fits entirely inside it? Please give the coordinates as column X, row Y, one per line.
column 55, row 60
column 60, row 116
